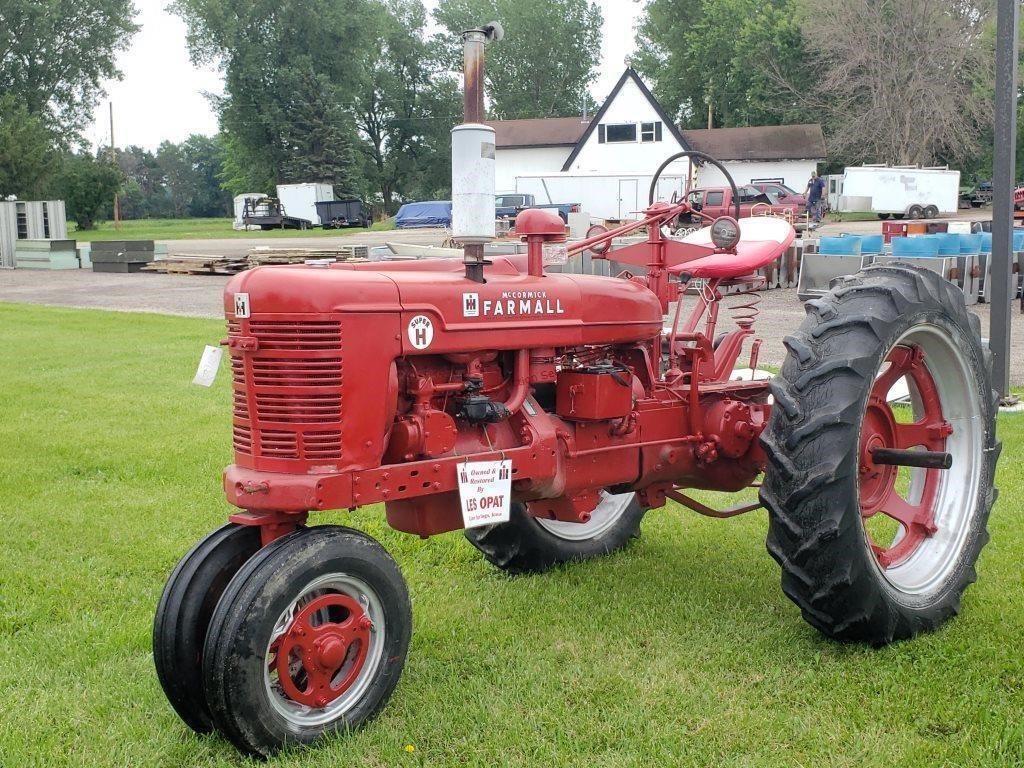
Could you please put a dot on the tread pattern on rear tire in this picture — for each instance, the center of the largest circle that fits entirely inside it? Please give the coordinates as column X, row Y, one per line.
column 522, row 546
column 812, row 441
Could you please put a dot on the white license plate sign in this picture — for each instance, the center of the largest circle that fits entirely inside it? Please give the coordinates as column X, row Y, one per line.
column 485, row 489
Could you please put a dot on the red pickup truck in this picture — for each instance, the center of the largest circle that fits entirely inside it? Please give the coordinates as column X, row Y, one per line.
column 717, row 201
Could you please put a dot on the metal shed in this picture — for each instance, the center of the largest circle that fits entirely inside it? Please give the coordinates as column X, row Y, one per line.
column 29, row 220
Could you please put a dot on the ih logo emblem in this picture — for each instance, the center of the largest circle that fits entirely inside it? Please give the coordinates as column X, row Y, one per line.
column 421, row 332
column 241, row 305
column 471, row 305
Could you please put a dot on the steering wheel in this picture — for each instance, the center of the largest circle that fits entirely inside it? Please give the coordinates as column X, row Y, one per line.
column 706, row 158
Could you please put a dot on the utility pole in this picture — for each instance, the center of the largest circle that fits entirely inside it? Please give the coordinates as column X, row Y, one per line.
column 113, row 159
column 1004, row 173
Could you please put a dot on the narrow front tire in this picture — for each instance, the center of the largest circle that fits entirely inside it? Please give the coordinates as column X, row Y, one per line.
column 309, row 638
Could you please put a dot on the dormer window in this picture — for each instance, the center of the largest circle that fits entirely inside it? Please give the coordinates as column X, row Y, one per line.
column 616, row 133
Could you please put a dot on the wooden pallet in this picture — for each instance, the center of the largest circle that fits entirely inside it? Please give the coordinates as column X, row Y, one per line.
column 270, row 255
column 196, row 264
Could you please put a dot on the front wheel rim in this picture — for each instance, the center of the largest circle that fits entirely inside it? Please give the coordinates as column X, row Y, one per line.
column 605, row 516
column 934, row 511
column 324, row 650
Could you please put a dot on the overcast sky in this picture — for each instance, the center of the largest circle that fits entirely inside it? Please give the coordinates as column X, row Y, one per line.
column 162, row 94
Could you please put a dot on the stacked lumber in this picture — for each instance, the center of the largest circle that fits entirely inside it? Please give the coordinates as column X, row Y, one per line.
column 197, row 264
column 270, row 255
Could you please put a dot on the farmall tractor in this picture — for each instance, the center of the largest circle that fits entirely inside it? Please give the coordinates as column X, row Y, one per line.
column 600, row 398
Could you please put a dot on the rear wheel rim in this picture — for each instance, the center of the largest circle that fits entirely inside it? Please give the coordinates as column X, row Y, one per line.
column 605, row 516
column 324, row 650
column 934, row 511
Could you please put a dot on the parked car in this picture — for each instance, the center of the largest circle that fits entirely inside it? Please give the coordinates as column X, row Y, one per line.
column 509, row 204
column 780, row 193
column 717, row 201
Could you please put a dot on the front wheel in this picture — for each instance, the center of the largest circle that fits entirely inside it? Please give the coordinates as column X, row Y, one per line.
column 183, row 617
column 310, row 637
column 878, row 511
column 527, row 544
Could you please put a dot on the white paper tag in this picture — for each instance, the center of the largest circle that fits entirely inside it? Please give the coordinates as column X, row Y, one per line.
column 209, row 364
column 485, row 489
column 554, row 254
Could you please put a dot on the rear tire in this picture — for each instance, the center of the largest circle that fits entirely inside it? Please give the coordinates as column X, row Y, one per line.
column 915, row 212
column 883, row 216
column 931, row 211
column 526, row 544
column 821, row 489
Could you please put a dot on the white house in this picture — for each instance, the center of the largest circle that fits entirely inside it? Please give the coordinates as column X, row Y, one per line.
column 606, row 163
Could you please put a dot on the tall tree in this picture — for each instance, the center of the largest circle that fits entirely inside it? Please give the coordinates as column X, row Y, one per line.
column 27, row 156
column 87, row 185
column 723, row 57
column 277, row 55
column 406, row 107
column 55, row 53
column 546, row 62
column 901, row 82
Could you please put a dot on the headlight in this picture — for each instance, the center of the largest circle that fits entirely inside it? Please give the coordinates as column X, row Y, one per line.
column 725, row 232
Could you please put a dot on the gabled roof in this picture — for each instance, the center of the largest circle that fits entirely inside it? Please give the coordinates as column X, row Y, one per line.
column 629, row 74
column 538, row 132
column 770, row 142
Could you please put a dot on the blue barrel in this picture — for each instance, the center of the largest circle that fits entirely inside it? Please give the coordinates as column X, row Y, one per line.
column 949, row 243
column 1018, row 240
column 845, row 245
column 923, row 245
column 986, row 242
column 871, row 244
column 970, row 244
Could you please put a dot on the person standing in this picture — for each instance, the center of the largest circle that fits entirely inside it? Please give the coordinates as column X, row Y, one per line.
column 815, row 188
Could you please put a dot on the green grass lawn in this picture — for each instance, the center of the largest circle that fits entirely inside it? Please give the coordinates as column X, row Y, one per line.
column 202, row 229
column 681, row 650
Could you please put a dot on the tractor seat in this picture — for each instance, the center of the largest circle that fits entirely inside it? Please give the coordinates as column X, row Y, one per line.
column 762, row 240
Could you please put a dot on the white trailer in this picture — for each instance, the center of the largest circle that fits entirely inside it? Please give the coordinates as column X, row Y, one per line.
column 897, row 190
column 604, row 196
column 299, row 200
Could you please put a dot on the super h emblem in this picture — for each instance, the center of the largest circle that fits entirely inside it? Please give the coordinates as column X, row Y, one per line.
column 420, row 332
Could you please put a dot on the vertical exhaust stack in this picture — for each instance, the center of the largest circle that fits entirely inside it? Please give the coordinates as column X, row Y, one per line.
column 473, row 157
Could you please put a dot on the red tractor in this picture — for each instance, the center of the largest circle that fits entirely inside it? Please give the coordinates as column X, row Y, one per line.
column 382, row 383
column 546, row 413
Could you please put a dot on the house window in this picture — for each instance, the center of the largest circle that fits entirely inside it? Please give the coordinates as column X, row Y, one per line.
column 650, row 131
column 616, row 133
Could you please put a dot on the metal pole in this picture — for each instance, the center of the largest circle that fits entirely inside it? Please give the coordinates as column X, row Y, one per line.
column 473, row 42
column 1004, row 175
column 113, row 159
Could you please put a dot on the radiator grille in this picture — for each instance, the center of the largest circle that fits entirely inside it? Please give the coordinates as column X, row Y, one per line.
column 287, row 393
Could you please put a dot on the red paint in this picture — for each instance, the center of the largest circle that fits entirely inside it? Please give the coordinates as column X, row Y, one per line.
column 339, row 404
column 323, row 650
column 880, row 429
